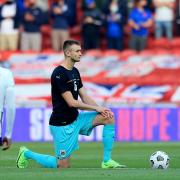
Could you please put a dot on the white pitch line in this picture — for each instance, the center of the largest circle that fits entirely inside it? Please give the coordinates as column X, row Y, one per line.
column 86, row 168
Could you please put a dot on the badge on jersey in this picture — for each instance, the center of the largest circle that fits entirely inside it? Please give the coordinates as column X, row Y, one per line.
column 62, row 153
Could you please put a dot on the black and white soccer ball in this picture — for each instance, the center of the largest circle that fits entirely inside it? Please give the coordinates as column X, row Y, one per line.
column 159, row 160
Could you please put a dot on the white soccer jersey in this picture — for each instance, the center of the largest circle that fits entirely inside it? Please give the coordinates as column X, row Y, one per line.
column 6, row 81
column 7, row 99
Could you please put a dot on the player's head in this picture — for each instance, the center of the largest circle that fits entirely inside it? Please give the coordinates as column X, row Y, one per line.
column 32, row 2
column 140, row 3
column 72, row 50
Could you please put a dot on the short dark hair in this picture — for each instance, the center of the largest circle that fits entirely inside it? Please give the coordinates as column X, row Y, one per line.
column 69, row 43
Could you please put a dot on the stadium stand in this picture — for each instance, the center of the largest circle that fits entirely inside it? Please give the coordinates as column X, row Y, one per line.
column 158, row 65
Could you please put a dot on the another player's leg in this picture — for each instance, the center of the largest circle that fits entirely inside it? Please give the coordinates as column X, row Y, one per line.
column 108, row 141
column 0, row 141
column 1, row 117
column 6, row 143
column 10, row 117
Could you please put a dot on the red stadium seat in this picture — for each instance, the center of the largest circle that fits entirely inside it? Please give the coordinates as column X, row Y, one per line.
column 175, row 51
column 49, row 51
column 161, row 51
column 94, row 52
column 111, row 52
column 162, row 43
column 150, row 43
column 147, row 52
column 175, row 43
column 4, row 55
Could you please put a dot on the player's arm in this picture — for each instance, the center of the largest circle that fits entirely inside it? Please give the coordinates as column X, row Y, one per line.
column 85, row 98
column 106, row 112
column 76, row 103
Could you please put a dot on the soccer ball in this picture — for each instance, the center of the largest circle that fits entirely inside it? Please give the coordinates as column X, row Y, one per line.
column 159, row 160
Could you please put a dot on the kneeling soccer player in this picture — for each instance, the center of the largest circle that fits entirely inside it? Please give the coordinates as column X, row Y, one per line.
column 66, row 123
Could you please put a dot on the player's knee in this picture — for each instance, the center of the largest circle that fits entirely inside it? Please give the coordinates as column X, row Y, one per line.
column 110, row 120
column 63, row 164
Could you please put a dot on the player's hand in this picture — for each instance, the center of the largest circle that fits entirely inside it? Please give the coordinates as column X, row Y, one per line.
column 29, row 17
column 136, row 27
column 57, row 10
column 105, row 112
column 108, row 114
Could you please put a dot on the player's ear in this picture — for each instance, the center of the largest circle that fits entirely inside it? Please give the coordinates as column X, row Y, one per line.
column 67, row 53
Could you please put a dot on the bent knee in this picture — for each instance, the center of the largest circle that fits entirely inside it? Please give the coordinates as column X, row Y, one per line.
column 110, row 121
column 63, row 164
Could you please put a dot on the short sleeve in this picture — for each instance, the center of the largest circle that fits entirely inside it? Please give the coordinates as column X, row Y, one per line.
column 80, row 81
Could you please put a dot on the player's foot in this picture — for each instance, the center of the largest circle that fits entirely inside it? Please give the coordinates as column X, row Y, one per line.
column 22, row 161
column 111, row 164
column 0, row 141
column 6, row 143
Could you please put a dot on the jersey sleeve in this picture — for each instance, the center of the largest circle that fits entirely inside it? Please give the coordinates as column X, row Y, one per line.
column 80, row 81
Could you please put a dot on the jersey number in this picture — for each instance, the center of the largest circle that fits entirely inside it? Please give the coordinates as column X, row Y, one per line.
column 75, row 86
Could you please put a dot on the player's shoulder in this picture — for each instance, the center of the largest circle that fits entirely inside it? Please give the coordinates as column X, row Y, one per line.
column 75, row 69
column 58, row 71
column 5, row 71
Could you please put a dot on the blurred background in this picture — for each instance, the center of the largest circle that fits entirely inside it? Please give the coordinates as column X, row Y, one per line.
column 131, row 62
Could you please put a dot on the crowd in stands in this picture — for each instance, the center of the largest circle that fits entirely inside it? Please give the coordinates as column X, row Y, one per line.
column 113, row 21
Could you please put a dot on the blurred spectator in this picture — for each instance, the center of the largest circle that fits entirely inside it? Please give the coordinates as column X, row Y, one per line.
column 140, row 20
column 178, row 17
column 9, row 23
column 115, row 19
column 72, row 17
column 150, row 5
column 59, row 15
column 99, row 4
column 43, row 4
column 164, row 15
column 92, row 22
column 31, row 24
column 20, row 4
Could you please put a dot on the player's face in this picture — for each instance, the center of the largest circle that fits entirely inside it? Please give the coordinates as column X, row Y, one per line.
column 75, row 53
column 143, row 3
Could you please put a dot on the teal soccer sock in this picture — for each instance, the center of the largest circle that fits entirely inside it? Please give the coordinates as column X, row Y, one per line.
column 108, row 140
column 42, row 159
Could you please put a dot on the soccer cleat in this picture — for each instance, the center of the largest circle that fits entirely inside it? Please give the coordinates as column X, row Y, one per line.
column 22, row 161
column 6, row 143
column 0, row 141
column 111, row 164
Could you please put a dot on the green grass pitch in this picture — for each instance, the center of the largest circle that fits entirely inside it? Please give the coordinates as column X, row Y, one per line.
column 85, row 163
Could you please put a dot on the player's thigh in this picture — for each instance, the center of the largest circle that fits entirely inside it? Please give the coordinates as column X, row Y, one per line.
column 85, row 122
column 101, row 120
column 65, row 140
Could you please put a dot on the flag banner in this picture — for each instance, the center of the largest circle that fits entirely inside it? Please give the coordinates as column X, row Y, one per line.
column 105, row 69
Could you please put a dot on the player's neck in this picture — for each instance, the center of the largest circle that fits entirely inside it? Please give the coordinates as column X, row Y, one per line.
column 68, row 64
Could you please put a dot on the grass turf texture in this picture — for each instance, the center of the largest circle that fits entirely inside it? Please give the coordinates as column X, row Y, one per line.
column 85, row 163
